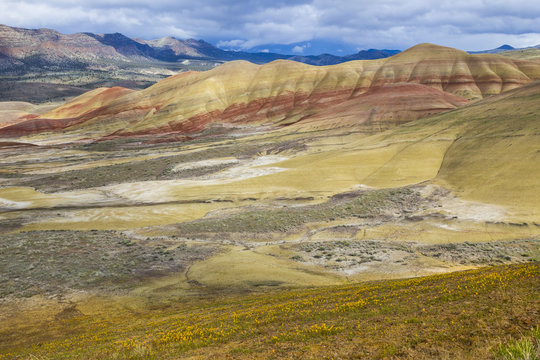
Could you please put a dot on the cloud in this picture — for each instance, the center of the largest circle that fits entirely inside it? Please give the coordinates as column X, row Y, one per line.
column 244, row 24
column 231, row 44
column 300, row 48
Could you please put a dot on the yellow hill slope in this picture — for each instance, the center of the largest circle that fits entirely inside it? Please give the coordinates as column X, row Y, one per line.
column 488, row 151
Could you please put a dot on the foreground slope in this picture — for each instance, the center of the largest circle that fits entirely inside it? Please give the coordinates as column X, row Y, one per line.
column 457, row 316
column 423, row 80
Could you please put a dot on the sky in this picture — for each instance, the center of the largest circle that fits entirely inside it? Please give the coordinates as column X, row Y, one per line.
column 301, row 27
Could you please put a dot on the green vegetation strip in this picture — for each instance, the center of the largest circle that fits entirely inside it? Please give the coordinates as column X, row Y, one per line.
column 363, row 204
column 461, row 315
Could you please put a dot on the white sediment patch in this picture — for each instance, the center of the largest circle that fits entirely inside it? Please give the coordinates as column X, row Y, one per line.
column 447, row 227
column 474, row 211
column 13, row 205
column 16, row 198
column 151, row 192
column 355, row 270
column 363, row 187
column 168, row 190
column 451, row 205
column 205, row 163
column 247, row 169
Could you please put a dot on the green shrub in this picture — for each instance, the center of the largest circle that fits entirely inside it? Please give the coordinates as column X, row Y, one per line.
column 526, row 348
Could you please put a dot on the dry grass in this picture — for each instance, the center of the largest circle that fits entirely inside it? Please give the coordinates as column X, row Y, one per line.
column 463, row 315
column 55, row 262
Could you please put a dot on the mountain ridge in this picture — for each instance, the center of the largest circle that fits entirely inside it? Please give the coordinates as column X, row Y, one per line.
column 26, row 49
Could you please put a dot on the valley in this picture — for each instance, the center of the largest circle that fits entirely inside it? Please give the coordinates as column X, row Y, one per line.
column 249, row 188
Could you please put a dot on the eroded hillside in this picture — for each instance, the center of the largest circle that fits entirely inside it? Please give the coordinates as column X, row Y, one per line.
column 370, row 95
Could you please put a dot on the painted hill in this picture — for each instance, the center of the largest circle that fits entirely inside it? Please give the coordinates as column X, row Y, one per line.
column 526, row 54
column 495, row 155
column 425, row 79
column 486, row 152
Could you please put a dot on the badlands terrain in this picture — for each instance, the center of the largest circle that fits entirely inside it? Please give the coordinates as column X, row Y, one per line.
column 259, row 211
column 44, row 65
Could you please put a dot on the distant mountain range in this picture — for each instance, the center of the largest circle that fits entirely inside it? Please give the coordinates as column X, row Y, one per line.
column 29, row 50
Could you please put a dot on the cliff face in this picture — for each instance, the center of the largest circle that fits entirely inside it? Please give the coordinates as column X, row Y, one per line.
column 423, row 80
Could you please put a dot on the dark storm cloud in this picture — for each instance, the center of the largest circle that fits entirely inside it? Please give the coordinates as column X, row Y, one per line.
column 470, row 24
